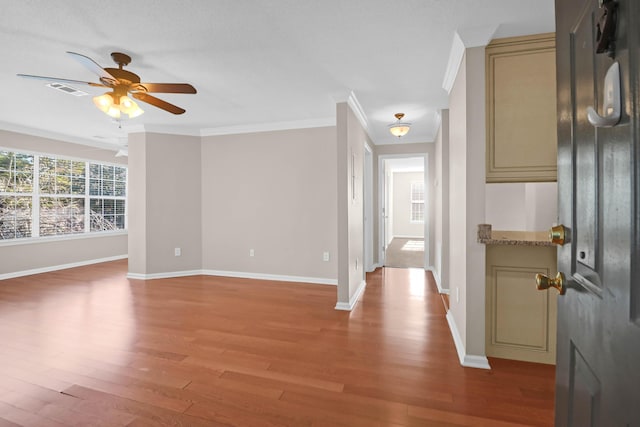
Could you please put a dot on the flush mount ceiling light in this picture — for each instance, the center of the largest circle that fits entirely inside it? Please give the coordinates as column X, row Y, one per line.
column 399, row 128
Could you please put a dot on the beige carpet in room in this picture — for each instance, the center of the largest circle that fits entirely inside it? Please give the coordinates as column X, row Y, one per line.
column 405, row 253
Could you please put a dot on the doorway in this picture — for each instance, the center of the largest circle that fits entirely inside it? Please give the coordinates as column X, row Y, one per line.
column 403, row 211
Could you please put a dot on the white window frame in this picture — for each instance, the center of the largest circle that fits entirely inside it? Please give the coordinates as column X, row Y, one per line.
column 415, row 202
column 36, row 195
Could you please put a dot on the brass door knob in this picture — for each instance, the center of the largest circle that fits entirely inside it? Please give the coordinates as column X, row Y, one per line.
column 559, row 235
column 544, row 282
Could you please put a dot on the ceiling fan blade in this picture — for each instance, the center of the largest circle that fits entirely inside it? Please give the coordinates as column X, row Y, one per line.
column 156, row 102
column 165, row 88
column 92, row 66
column 56, row 79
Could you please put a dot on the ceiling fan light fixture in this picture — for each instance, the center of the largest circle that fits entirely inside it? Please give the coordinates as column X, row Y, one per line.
column 130, row 107
column 106, row 103
column 103, row 102
column 399, row 128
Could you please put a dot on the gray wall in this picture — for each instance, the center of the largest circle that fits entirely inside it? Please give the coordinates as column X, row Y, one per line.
column 351, row 138
column 467, row 201
column 165, row 206
column 275, row 193
column 441, row 218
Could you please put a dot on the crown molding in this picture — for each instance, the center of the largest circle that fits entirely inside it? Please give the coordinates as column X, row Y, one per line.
column 359, row 112
column 269, row 127
column 453, row 65
column 40, row 133
column 463, row 39
column 352, row 100
column 169, row 130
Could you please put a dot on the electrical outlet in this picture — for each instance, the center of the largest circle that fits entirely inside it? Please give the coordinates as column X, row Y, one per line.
column 177, row 251
column 252, row 252
column 325, row 256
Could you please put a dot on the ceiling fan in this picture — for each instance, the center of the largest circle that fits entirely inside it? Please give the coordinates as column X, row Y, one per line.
column 123, row 82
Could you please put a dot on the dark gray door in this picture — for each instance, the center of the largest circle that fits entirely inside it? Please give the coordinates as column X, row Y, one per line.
column 598, row 362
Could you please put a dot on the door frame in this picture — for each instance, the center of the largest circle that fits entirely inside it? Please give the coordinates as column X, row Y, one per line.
column 381, row 204
column 368, row 211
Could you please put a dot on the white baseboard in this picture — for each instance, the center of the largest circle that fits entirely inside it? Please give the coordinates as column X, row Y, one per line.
column 238, row 274
column 467, row 360
column 276, row 277
column 409, row 237
column 353, row 300
column 60, row 267
column 167, row 275
column 373, row 268
column 436, row 276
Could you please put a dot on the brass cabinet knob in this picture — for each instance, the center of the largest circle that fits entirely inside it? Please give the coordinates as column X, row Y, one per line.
column 559, row 235
column 544, row 282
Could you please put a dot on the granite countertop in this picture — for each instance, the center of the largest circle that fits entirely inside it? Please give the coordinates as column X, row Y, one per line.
column 516, row 238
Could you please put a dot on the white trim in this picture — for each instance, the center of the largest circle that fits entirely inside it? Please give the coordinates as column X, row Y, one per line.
column 275, row 277
column 63, row 237
column 463, row 39
column 436, row 277
column 402, row 236
column 60, row 267
column 167, row 275
column 353, row 300
column 358, row 111
column 381, row 200
column 374, row 267
column 238, row 274
column 453, row 65
column 41, row 133
column 467, row 360
column 267, row 127
column 368, row 209
column 162, row 129
column 169, row 130
column 343, row 306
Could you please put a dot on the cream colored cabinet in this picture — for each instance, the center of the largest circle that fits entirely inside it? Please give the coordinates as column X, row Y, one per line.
column 520, row 320
column 521, row 109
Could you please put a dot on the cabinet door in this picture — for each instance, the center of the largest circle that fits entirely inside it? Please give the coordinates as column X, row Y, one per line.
column 521, row 109
column 520, row 320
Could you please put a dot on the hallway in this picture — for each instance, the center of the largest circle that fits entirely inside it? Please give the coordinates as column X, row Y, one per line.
column 405, row 253
column 87, row 345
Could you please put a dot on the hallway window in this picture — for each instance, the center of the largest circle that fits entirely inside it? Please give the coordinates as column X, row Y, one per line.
column 417, row 201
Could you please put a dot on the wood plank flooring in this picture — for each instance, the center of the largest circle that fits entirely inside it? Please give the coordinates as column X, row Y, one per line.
column 87, row 346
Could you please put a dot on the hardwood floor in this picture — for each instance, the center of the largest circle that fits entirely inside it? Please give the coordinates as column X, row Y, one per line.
column 86, row 346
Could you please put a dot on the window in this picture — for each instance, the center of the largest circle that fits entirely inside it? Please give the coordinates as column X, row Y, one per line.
column 48, row 196
column 108, row 188
column 62, row 185
column 417, row 201
column 16, row 190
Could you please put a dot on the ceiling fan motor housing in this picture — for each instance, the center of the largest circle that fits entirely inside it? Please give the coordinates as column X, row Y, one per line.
column 121, row 59
column 123, row 77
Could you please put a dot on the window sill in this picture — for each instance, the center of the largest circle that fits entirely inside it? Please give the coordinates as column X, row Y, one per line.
column 36, row 240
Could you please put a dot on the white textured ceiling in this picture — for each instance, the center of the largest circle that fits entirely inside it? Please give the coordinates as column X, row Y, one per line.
column 259, row 64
